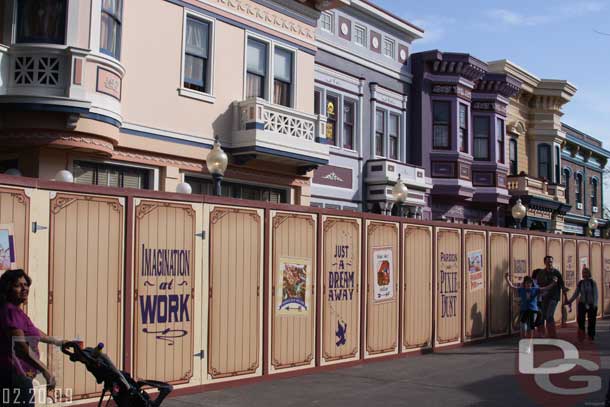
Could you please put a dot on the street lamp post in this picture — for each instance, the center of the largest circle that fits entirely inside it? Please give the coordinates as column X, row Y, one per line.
column 400, row 194
column 519, row 211
column 593, row 224
column 217, row 162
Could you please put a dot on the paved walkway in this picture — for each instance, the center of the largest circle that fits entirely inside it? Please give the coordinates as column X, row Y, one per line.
column 479, row 375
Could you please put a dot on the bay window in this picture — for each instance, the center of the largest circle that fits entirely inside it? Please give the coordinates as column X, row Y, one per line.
column 481, row 138
column 379, row 132
column 110, row 32
column 500, row 140
column 441, row 112
column 544, row 161
column 463, row 131
column 256, row 71
column 282, row 77
column 41, row 21
column 349, row 115
column 332, row 106
column 393, row 132
column 196, row 55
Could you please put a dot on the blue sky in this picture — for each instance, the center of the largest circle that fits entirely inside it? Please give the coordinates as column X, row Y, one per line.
column 552, row 39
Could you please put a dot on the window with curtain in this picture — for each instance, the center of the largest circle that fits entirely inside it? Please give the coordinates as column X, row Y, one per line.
column 393, row 132
column 110, row 175
column 332, row 107
column 512, row 157
column 500, row 140
column 463, row 132
column 379, row 132
column 256, row 71
column 544, row 161
column 557, row 162
column 566, row 184
column 441, row 113
column 282, row 77
column 594, row 192
column 578, row 188
column 41, row 21
column 349, row 119
column 196, row 55
column 110, row 31
column 481, row 138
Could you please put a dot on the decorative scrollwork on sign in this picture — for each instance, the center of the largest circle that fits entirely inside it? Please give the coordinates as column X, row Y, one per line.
column 278, row 220
column 61, row 203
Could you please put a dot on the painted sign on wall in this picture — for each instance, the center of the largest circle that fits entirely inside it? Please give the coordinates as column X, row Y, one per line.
column 448, row 284
column 475, row 270
column 383, row 276
column 7, row 247
column 293, row 295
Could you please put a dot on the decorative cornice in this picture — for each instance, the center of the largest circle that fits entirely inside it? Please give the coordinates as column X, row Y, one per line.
column 56, row 138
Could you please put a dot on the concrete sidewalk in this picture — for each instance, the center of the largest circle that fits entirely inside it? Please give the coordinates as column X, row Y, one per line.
column 478, row 375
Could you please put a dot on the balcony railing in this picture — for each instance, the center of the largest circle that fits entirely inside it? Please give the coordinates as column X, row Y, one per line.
column 526, row 185
column 257, row 113
column 263, row 129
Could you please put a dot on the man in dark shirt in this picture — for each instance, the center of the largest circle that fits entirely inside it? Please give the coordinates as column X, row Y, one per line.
column 551, row 298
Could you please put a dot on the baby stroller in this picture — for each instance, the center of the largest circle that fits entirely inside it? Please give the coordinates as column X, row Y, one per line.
column 124, row 390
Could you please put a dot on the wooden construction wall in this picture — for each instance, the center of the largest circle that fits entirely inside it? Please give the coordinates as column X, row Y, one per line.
column 196, row 290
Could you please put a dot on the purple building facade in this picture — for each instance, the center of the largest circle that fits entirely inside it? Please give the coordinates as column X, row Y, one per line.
column 458, row 135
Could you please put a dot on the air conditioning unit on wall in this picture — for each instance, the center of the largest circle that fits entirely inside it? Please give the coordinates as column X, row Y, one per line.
column 578, row 206
column 595, row 209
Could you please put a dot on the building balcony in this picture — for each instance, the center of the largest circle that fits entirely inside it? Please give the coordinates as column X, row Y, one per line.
column 523, row 185
column 284, row 135
column 382, row 174
column 63, row 79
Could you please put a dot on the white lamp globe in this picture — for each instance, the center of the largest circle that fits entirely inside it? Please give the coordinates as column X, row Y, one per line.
column 400, row 191
column 184, row 188
column 64, row 176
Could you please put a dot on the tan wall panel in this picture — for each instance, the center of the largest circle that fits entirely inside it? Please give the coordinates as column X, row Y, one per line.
column 15, row 210
column 340, row 339
column 499, row 307
column 417, row 289
column 86, row 277
column 165, row 283
column 583, row 257
column 235, row 312
column 293, row 315
column 537, row 252
column 520, row 267
column 595, row 265
column 382, row 288
column 475, row 285
column 448, row 281
column 606, row 278
column 570, row 272
column 554, row 248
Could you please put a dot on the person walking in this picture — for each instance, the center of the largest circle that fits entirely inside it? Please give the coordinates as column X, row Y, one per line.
column 587, row 294
column 544, row 277
column 19, row 338
column 528, row 294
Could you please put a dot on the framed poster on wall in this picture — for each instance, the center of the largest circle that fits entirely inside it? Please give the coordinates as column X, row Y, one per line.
column 7, row 247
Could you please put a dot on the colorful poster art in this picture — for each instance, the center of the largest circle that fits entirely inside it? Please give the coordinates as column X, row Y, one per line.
column 383, row 277
column 293, row 286
column 448, row 265
column 475, row 270
column 7, row 247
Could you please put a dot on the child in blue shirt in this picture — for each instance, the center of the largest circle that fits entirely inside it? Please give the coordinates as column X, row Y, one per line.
column 528, row 294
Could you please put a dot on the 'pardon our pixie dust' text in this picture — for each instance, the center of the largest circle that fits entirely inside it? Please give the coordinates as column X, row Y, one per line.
column 448, row 285
column 341, row 282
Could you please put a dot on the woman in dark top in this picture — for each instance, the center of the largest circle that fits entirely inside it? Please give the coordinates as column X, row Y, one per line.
column 19, row 338
column 587, row 294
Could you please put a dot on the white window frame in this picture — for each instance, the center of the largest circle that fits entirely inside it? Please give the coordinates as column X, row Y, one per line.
column 332, row 22
column 364, row 31
column 271, row 45
column 341, row 97
column 387, row 113
column 191, row 93
column 386, row 41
